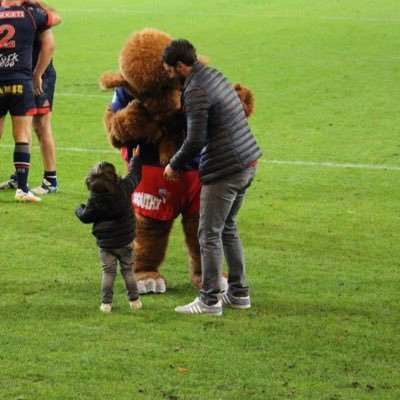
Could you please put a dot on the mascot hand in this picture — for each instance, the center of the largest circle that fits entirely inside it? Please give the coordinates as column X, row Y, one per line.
column 109, row 124
column 111, row 80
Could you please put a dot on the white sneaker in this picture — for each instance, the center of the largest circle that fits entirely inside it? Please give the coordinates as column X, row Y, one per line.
column 228, row 300
column 28, row 196
column 135, row 304
column 105, row 308
column 198, row 307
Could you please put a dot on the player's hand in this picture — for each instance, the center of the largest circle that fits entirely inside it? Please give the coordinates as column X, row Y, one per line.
column 136, row 151
column 170, row 174
column 37, row 85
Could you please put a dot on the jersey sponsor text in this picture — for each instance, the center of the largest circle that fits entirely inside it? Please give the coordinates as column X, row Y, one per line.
column 8, row 61
column 12, row 14
column 11, row 89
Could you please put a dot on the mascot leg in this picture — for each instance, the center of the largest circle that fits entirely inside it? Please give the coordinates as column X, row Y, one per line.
column 190, row 225
column 150, row 245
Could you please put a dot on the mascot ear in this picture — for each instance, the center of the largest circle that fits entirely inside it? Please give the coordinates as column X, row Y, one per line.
column 111, row 80
column 203, row 59
column 246, row 97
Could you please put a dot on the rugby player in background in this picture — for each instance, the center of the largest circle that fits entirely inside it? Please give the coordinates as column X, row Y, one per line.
column 44, row 86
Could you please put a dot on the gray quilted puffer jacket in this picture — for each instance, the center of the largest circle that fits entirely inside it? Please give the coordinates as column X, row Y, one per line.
column 216, row 125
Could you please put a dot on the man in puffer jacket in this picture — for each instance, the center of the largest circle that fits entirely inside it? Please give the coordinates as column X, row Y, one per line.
column 217, row 126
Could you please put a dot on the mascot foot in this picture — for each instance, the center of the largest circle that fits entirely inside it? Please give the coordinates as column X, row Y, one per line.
column 151, row 286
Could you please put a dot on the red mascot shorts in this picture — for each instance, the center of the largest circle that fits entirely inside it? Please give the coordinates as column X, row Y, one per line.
column 164, row 200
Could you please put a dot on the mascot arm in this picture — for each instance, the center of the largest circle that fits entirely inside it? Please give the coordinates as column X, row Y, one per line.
column 109, row 121
column 129, row 124
column 111, row 80
column 167, row 147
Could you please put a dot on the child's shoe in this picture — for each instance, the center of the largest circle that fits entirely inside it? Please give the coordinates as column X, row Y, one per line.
column 135, row 304
column 105, row 308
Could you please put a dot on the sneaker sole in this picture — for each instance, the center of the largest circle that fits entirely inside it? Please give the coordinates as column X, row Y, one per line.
column 211, row 314
column 241, row 306
column 216, row 314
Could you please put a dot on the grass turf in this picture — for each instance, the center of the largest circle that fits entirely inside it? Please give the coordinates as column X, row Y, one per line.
column 321, row 241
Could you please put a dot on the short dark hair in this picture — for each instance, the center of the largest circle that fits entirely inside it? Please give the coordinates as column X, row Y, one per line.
column 179, row 50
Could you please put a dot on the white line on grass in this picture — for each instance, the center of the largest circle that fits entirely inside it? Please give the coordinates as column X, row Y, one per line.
column 135, row 11
column 81, row 150
column 97, row 96
column 282, row 162
column 71, row 149
column 334, row 165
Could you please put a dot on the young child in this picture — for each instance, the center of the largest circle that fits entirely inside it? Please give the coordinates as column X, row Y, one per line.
column 109, row 208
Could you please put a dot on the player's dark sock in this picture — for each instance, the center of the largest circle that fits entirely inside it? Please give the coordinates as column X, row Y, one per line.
column 51, row 177
column 22, row 159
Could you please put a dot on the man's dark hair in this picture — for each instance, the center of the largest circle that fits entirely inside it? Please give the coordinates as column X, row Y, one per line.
column 179, row 50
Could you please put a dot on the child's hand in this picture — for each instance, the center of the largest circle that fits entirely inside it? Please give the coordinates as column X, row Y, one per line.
column 136, row 151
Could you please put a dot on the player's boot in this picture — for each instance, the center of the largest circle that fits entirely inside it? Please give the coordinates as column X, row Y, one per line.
column 45, row 188
column 22, row 196
column 10, row 184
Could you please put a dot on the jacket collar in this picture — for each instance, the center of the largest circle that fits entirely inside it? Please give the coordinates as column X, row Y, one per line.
column 197, row 66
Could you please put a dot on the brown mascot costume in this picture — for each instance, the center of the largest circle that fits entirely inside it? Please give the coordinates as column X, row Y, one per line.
column 146, row 110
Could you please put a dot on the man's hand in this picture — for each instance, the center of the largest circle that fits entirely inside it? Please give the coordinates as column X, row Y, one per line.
column 170, row 174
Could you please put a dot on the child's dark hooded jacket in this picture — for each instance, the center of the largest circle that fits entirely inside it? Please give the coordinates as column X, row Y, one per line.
column 112, row 213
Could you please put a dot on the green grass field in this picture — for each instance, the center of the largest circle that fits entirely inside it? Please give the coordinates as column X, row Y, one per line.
column 320, row 226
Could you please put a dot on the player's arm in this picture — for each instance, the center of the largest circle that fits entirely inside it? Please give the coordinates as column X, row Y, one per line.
column 47, row 46
column 54, row 17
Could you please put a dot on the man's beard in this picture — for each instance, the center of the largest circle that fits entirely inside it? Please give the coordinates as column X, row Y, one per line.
column 181, row 78
column 178, row 79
